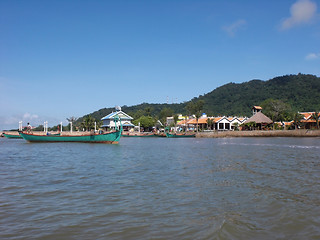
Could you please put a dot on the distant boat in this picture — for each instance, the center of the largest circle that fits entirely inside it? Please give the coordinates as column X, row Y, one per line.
column 162, row 134
column 109, row 137
column 11, row 135
column 138, row 134
column 180, row 135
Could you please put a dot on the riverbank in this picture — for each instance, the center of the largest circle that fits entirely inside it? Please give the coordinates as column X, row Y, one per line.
column 258, row 133
column 52, row 132
column 225, row 134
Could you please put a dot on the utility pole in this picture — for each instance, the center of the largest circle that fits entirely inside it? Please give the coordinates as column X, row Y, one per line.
column 45, row 126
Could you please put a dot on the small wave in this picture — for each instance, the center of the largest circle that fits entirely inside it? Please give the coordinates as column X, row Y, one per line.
column 238, row 228
column 272, row 145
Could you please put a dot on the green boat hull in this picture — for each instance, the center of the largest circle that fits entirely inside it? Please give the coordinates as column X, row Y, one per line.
column 160, row 135
column 12, row 136
column 180, row 135
column 111, row 138
column 138, row 135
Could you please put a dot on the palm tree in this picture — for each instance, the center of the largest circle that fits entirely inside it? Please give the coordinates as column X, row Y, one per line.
column 88, row 123
column 197, row 117
column 251, row 125
column 195, row 107
column 210, row 123
column 315, row 116
column 236, row 126
column 198, row 106
column 71, row 120
column 297, row 117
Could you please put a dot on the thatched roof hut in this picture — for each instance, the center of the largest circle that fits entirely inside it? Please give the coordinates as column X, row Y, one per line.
column 259, row 118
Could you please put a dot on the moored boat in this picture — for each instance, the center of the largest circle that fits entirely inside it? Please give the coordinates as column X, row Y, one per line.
column 180, row 135
column 138, row 134
column 7, row 135
column 162, row 134
column 109, row 137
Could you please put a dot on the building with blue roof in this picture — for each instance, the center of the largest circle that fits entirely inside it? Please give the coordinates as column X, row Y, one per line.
column 109, row 123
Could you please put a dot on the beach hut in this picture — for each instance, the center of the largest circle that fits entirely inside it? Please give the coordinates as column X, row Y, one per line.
column 260, row 119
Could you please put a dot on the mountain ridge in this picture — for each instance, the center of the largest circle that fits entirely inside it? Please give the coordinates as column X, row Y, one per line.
column 301, row 91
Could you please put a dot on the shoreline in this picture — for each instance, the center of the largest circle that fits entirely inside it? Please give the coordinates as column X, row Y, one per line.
column 226, row 134
column 260, row 133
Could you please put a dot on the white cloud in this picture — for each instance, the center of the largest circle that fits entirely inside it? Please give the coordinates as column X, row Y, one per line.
column 234, row 27
column 301, row 11
column 29, row 117
column 313, row 56
column 12, row 122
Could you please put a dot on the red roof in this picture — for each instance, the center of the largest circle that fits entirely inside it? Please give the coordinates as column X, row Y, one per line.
column 183, row 122
column 308, row 116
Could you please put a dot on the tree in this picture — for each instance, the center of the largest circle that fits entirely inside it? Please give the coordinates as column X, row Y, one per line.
column 190, row 107
column 251, row 125
column 315, row 116
column 236, row 126
column 148, row 111
column 145, row 121
column 39, row 128
column 136, row 114
column 195, row 108
column 72, row 120
column 210, row 123
column 276, row 110
column 164, row 113
column 87, row 123
column 297, row 117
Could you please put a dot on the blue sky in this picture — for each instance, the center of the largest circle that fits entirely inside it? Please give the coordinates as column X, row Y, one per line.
column 69, row 58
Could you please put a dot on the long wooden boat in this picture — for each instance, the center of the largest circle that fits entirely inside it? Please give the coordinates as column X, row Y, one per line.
column 7, row 135
column 160, row 135
column 180, row 135
column 109, row 137
column 137, row 135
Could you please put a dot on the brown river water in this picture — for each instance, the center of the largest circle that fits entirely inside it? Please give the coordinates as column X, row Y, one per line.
column 159, row 188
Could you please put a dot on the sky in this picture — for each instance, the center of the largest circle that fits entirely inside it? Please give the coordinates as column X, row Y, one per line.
column 69, row 58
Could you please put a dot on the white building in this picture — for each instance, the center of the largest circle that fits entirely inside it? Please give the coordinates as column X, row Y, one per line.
column 109, row 120
column 228, row 123
column 220, row 123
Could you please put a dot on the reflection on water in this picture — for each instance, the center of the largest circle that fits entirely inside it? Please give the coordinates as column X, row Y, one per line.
column 143, row 188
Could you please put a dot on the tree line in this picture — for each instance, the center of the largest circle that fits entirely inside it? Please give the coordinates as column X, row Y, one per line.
column 301, row 92
column 293, row 93
column 275, row 109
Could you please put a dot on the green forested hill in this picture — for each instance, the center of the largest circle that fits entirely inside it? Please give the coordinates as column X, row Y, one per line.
column 300, row 91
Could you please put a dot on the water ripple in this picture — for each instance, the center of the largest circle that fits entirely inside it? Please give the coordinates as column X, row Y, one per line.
column 241, row 188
